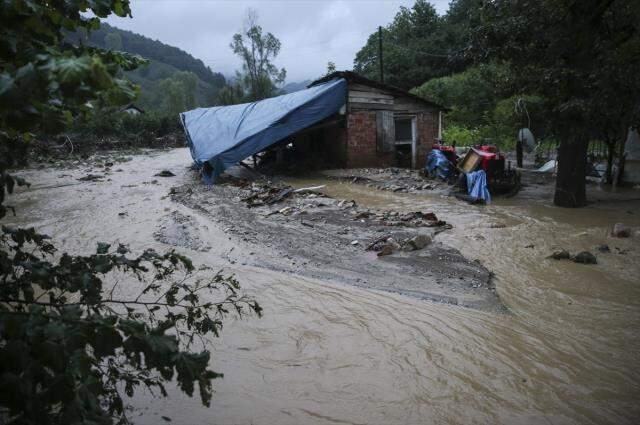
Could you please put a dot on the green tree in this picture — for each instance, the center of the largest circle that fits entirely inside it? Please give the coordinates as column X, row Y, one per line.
column 331, row 68
column 69, row 344
column 259, row 76
column 419, row 45
column 582, row 57
column 177, row 93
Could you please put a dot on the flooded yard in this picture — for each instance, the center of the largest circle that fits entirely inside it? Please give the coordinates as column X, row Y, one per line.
column 564, row 350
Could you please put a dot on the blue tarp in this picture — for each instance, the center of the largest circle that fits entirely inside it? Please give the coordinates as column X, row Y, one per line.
column 225, row 135
column 437, row 164
column 477, row 186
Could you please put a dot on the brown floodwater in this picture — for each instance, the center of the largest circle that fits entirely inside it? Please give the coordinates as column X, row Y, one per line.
column 326, row 353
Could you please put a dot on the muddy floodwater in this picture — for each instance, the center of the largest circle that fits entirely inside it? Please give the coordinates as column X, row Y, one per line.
column 565, row 352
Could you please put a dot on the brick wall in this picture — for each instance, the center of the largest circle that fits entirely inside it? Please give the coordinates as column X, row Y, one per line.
column 427, row 133
column 362, row 148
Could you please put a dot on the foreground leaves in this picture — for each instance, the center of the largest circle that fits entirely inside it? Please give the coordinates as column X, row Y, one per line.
column 70, row 344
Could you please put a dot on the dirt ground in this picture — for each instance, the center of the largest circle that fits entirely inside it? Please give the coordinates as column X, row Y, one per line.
column 317, row 236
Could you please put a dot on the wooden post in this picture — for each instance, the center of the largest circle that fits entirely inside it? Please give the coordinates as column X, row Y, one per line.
column 380, row 62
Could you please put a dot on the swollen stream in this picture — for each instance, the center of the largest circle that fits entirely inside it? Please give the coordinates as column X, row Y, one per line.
column 567, row 353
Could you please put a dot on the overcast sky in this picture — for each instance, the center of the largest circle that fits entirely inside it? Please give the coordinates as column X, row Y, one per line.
column 312, row 32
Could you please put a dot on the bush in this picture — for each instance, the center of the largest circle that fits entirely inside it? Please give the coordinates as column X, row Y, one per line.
column 71, row 342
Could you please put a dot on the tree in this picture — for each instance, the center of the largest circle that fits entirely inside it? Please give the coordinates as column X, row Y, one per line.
column 257, row 51
column 177, row 93
column 420, row 45
column 331, row 68
column 69, row 344
column 582, row 57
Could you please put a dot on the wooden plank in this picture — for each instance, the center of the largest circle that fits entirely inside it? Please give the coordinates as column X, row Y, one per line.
column 363, row 87
column 359, row 93
column 410, row 105
column 368, row 106
column 371, row 100
column 385, row 131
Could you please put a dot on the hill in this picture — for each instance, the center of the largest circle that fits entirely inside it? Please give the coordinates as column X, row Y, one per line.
column 295, row 86
column 166, row 63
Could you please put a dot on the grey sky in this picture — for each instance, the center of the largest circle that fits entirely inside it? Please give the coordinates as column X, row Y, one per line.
column 312, row 32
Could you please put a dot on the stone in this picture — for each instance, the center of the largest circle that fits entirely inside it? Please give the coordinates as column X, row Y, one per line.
column 603, row 248
column 420, row 241
column 416, row 243
column 165, row 173
column 621, row 231
column 560, row 255
column 585, row 257
column 386, row 250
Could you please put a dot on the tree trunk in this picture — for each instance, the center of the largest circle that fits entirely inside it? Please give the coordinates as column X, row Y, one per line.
column 608, row 175
column 572, row 165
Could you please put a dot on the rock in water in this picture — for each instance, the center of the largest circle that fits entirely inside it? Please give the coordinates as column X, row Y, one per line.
column 560, row 255
column 621, row 231
column 416, row 243
column 420, row 241
column 165, row 173
column 386, row 250
column 585, row 257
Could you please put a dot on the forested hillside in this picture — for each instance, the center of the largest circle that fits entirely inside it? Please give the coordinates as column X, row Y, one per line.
column 172, row 82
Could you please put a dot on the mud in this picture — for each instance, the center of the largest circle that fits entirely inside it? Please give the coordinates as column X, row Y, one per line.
column 328, row 351
column 321, row 237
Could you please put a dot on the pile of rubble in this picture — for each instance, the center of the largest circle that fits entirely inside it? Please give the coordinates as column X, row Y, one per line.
column 387, row 244
column 391, row 179
column 267, row 193
column 395, row 218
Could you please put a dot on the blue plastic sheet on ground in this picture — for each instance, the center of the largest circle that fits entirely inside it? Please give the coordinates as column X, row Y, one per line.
column 437, row 164
column 225, row 135
column 477, row 186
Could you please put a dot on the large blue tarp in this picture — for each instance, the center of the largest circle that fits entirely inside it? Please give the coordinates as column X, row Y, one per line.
column 225, row 135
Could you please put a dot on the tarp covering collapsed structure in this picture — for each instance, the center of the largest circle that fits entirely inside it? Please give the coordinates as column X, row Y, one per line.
column 225, row 135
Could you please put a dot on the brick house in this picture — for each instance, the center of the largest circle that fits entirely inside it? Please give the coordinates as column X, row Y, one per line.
column 380, row 126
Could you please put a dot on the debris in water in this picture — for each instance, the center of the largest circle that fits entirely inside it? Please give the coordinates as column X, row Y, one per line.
column 585, row 257
column 560, row 255
column 164, row 173
column 621, row 231
column 91, row 178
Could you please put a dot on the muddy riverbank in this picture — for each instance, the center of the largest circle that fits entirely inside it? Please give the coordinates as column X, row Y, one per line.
column 333, row 351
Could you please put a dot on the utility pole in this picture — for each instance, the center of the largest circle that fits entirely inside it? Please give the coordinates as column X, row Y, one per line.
column 380, row 54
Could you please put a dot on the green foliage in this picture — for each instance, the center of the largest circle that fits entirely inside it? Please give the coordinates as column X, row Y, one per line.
column 232, row 94
column 72, row 343
column 164, row 63
column 43, row 83
column 138, row 130
column 582, row 57
column 177, row 93
column 461, row 136
column 471, row 94
column 155, row 51
column 482, row 110
column 260, row 77
column 420, row 45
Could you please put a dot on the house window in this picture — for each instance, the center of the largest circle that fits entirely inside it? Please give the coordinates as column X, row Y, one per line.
column 404, row 130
